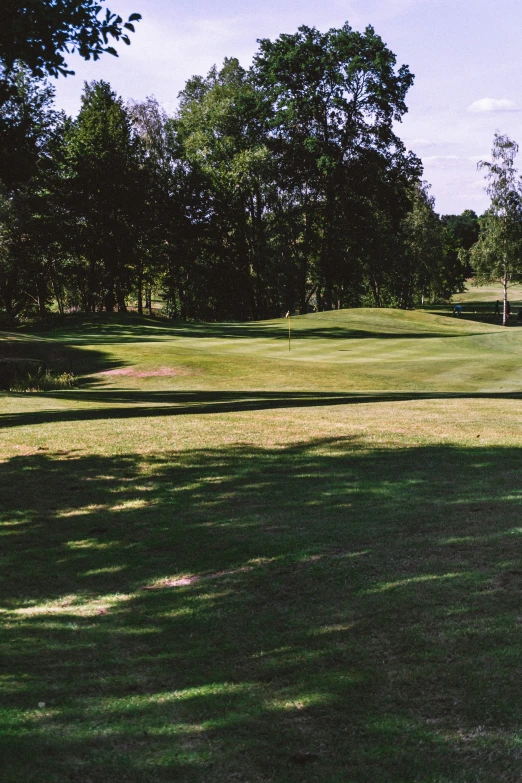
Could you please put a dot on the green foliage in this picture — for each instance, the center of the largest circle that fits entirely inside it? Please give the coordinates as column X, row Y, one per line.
column 13, row 370
column 100, row 190
column 334, row 97
column 219, row 139
column 30, row 223
column 38, row 34
column 464, row 228
column 295, row 177
column 496, row 251
column 497, row 255
column 281, row 187
column 27, row 125
column 430, row 270
column 41, row 32
column 44, row 380
column 462, row 231
column 20, row 375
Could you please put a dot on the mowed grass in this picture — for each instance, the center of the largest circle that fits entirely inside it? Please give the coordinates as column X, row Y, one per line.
column 478, row 303
column 227, row 561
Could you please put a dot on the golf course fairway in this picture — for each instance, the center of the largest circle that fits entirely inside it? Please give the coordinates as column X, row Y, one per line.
column 230, row 558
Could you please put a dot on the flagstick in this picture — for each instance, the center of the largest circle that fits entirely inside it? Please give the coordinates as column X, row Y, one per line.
column 289, row 337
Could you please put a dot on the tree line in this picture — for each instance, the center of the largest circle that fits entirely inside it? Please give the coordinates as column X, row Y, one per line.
column 279, row 187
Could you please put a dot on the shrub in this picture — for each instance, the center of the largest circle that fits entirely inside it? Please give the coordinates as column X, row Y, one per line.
column 11, row 370
column 22, row 375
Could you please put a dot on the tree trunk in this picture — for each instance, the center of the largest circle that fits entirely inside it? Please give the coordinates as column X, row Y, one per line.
column 140, row 295
column 56, row 291
column 120, row 299
column 110, row 301
column 303, row 301
column 376, row 292
column 505, row 311
column 42, row 293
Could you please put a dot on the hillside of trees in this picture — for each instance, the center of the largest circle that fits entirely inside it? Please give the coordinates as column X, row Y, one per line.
column 280, row 187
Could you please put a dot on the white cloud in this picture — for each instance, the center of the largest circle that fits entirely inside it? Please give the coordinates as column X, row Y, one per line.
column 444, row 157
column 415, row 143
column 485, row 105
column 448, row 161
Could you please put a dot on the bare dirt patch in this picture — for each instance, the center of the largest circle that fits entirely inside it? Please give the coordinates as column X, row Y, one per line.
column 132, row 372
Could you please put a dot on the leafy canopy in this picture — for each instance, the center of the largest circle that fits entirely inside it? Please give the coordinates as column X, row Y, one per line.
column 41, row 32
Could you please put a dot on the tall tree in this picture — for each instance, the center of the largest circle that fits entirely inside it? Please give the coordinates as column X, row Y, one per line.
column 335, row 98
column 30, row 224
column 462, row 231
column 464, row 228
column 220, row 136
column 103, row 186
column 498, row 253
column 271, row 189
column 427, row 270
column 163, row 234
column 29, row 114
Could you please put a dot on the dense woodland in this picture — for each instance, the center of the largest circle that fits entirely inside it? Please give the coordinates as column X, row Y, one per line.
column 280, row 187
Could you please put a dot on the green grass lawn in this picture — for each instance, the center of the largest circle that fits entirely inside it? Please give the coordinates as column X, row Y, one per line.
column 478, row 303
column 226, row 561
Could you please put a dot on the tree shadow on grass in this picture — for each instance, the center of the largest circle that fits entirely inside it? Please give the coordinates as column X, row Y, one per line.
column 131, row 404
column 118, row 329
column 478, row 311
column 321, row 612
column 59, row 356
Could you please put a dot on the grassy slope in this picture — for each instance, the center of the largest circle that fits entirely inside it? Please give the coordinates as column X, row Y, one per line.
column 333, row 538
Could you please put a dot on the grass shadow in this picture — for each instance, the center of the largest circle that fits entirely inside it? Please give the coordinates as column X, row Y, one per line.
column 131, row 404
column 480, row 311
column 60, row 356
column 321, row 612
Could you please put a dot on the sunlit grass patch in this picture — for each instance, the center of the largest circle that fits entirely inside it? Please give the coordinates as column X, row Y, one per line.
column 301, row 702
column 77, row 605
column 79, row 512
column 415, row 580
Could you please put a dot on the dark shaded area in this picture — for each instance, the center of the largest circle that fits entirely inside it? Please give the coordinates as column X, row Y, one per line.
column 57, row 355
column 483, row 312
column 139, row 404
column 349, row 616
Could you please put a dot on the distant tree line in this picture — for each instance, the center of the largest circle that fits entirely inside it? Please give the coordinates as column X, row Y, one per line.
column 279, row 187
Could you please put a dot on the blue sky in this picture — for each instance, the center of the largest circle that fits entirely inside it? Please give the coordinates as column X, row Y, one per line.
column 466, row 56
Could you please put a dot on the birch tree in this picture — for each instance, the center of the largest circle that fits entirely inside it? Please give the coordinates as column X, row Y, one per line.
column 497, row 256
